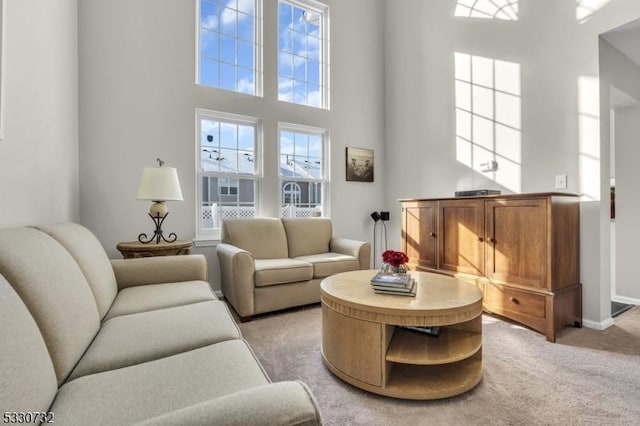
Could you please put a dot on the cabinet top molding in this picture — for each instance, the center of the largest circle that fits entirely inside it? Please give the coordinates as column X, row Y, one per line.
column 501, row 196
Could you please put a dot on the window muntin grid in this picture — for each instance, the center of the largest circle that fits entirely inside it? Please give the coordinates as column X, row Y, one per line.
column 229, row 45
column 489, row 9
column 302, row 53
column 228, row 173
column 303, row 174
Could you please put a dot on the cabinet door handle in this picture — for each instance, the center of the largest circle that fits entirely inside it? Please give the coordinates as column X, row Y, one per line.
column 432, row 234
column 492, row 240
column 481, row 239
column 514, row 300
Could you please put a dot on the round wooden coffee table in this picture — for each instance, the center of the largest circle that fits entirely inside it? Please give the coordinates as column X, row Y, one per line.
column 365, row 344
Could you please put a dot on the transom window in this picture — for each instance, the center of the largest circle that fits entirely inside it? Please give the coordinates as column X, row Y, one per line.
column 302, row 53
column 488, row 9
column 229, row 45
column 228, row 174
column 303, row 171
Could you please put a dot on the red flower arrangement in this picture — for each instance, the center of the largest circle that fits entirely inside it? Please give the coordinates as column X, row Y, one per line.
column 394, row 258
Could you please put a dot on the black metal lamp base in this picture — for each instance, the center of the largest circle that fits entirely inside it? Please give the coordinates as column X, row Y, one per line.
column 157, row 234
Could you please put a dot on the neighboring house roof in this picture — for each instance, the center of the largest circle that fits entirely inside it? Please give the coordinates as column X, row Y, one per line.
column 226, row 162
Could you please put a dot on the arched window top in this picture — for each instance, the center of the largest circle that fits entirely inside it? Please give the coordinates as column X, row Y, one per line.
column 488, row 9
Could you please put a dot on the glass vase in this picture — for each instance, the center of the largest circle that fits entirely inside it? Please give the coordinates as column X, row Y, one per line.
column 388, row 268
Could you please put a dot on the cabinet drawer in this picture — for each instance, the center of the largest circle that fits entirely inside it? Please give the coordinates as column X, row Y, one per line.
column 513, row 303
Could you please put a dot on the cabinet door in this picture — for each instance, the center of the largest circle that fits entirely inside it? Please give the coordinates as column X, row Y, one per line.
column 419, row 233
column 517, row 241
column 460, row 236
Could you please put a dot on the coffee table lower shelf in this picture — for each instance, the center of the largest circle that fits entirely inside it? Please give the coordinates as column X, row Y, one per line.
column 423, row 382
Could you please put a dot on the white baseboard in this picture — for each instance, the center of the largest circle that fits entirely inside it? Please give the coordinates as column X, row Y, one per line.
column 602, row 325
column 627, row 300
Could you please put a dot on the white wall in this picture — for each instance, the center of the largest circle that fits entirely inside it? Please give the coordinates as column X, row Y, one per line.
column 559, row 109
column 627, row 124
column 138, row 101
column 39, row 155
column 616, row 70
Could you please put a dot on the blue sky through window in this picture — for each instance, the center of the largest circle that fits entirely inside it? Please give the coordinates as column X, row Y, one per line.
column 300, row 66
column 228, row 45
column 300, row 155
column 227, row 147
column 302, row 172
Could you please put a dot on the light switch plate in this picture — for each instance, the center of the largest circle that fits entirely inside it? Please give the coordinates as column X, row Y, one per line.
column 561, row 181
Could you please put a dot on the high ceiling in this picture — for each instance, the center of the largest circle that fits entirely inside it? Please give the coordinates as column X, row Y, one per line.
column 626, row 38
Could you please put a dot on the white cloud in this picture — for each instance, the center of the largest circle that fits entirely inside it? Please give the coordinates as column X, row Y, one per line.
column 210, row 22
column 285, row 90
column 245, row 86
column 246, row 6
column 299, row 95
column 229, row 15
column 314, row 99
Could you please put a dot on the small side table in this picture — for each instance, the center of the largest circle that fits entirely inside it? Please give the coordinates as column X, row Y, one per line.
column 135, row 249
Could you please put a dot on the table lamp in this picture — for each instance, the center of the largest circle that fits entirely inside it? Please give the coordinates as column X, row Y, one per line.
column 159, row 184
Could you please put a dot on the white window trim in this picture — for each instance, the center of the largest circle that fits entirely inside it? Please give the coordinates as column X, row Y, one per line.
column 215, row 235
column 323, row 10
column 258, row 55
column 326, row 171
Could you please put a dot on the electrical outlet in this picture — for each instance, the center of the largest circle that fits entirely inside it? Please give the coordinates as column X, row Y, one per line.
column 384, row 216
column 561, row 181
column 489, row 166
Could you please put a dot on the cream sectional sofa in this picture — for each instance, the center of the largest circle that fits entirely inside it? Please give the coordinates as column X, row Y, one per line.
column 268, row 264
column 100, row 342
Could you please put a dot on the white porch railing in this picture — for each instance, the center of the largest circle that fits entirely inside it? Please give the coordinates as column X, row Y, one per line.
column 211, row 216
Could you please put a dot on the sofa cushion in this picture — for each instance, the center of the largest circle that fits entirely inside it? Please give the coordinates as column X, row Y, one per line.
column 281, row 271
column 54, row 289
column 264, row 238
column 327, row 264
column 159, row 270
column 308, row 236
column 131, row 339
column 92, row 259
column 149, row 297
column 276, row 297
column 133, row 394
column 282, row 403
column 27, row 379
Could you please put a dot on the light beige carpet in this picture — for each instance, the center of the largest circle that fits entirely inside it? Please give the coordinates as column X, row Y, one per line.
column 587, row 378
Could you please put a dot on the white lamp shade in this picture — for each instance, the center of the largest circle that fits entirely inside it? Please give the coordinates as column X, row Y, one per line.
column 159, row 184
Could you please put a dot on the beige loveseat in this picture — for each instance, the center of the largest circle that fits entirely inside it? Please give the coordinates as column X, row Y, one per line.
column 99, row 342
column 268, row 264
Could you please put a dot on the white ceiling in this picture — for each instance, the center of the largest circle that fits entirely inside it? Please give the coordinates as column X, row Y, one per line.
column 626, row 39
column 620, row 100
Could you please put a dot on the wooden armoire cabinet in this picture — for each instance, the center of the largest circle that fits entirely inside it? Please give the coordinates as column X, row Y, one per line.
column 522, row 250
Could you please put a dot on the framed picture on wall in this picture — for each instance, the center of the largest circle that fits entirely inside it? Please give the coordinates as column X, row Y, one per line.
column 359, row 165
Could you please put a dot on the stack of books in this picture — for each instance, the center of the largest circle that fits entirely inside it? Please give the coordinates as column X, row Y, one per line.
column 399, row 284
column 429, row 331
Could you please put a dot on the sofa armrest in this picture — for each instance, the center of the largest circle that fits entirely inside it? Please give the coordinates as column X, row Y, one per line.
column 358, row 249
column 282, row 403
column 237, row 268
column 159, row 270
